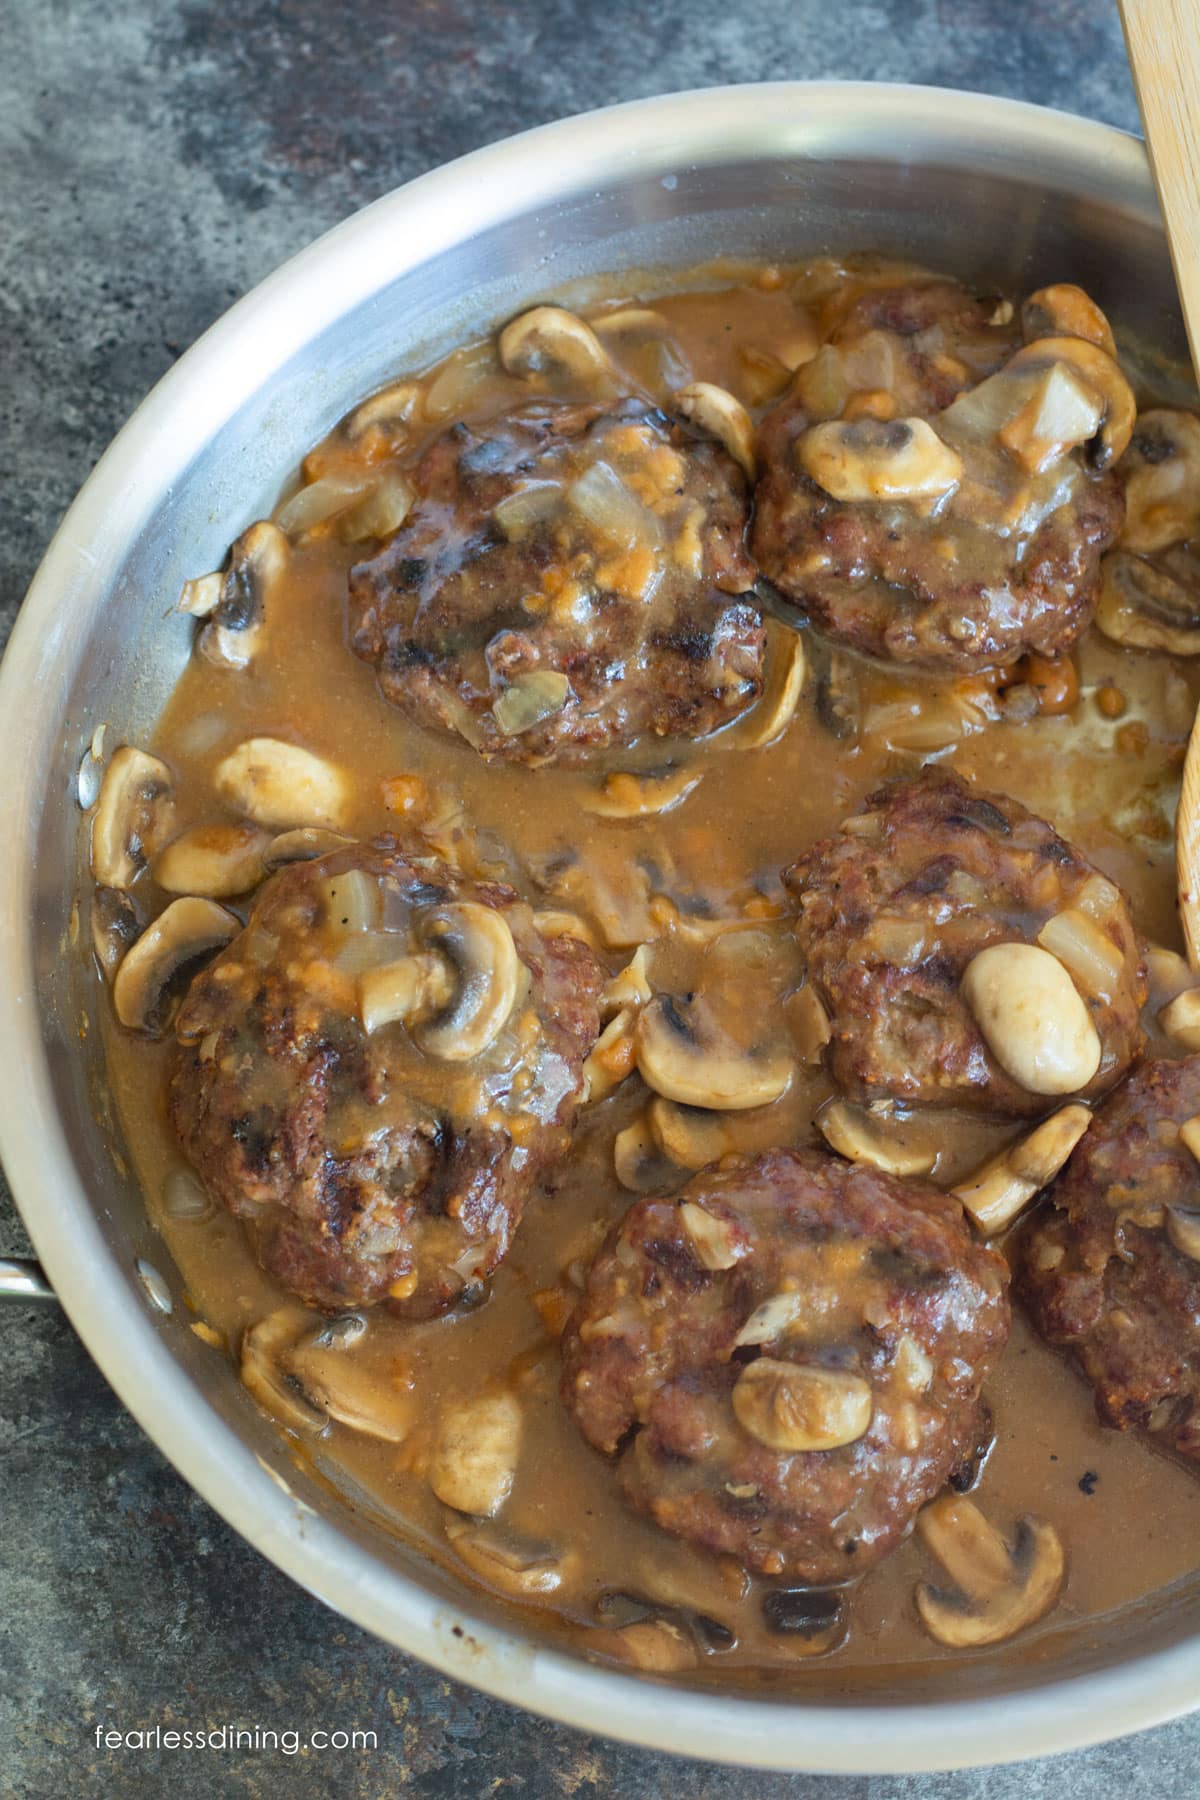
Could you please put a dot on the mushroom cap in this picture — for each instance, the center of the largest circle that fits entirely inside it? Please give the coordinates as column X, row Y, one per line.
column 873, row 459
column 477, row 942
column 257, row 563
column 997, row 1590
column 715, row 410
column 550, row 341
column 684, row 1056
column 215, row 860
column 282, row 785
column 187, row 929
column 1033, row 1018
column 134, row 811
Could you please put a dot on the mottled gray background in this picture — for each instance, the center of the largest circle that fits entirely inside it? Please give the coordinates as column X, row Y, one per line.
column 159, row 158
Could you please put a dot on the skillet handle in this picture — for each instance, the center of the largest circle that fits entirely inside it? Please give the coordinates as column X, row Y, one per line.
column 21, row 1279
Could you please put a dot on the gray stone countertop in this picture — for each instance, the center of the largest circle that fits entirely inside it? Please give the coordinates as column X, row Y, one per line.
column 159, row 158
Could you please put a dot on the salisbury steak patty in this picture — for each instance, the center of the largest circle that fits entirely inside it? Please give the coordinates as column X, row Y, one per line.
column 1109, row 1269
column 376, row 1071
column 797, row 1346
column 563, row 582
column 895, row 907
column 923, row 514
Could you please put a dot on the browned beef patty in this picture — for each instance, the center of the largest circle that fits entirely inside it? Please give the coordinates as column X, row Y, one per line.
column 566, row 581
column 1007, row 563
column 1100, row 1270
column 382, row 1165
column 894, row 907
column 677, row 1365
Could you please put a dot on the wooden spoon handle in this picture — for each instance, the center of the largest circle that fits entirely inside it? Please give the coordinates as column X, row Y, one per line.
column 1163, row 41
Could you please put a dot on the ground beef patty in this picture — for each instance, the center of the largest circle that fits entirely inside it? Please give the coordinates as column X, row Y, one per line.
column 712, row 1322
column 895, row 906
column 1005, row 562
column 389, row 1164
column 565, row 581
column 1104, row 1268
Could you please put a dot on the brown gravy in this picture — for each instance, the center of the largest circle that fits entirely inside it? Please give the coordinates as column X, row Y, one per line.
column 1126, row 1515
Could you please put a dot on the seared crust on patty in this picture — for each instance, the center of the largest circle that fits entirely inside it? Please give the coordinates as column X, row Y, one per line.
column 1099, row 1271
column 585, row 558
column 365, row 1167
column 895, row 906
column 872, row 1280
column 1003, row 564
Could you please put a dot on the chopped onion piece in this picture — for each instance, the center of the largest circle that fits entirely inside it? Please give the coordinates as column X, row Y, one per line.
column 381, row 511
column 529, row 698
column 601, row 497
column 1083, row 948
column 527, row 507
column 320, row 500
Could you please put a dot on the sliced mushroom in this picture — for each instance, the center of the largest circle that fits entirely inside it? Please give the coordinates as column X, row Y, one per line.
column 1149, row 607
column 550, row 341
column 303, row 845
column 636, row 1160
column 783, row 685
column 684, row 1056
column 399, row 404
column 214, row 861
column 475, row 1453
column 479, row 946
column 873, row 459
column 714, row 1239
column 611, row 1057
column 1183, row 1224
column 839, row 700
column 235, row 611
column 814, row 1618
column 625, row 795
column 1187, row 872
column 889, row 1141
column 1098, row 371
column 410, row 988
column 115, row 927
column 281, row 785
column 636, row 321
column 1160, row 473
column 188, row 929
column 134, row 813
column 997, row 1590
column 554, row 923
column 1169, row 974
column 772, row 1319
column 512, row 1565
column 1064, row 310
column 622, row 1610
column 691, row 1136
column 798, row 1406
column 658, row 1646
column 716, row 412
column 809, row 1022
column 1032, row 1017
column 262, row 1375
column 343, row 1388
column 1181, row 1020
column 998, row 1191
column 630, row 987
